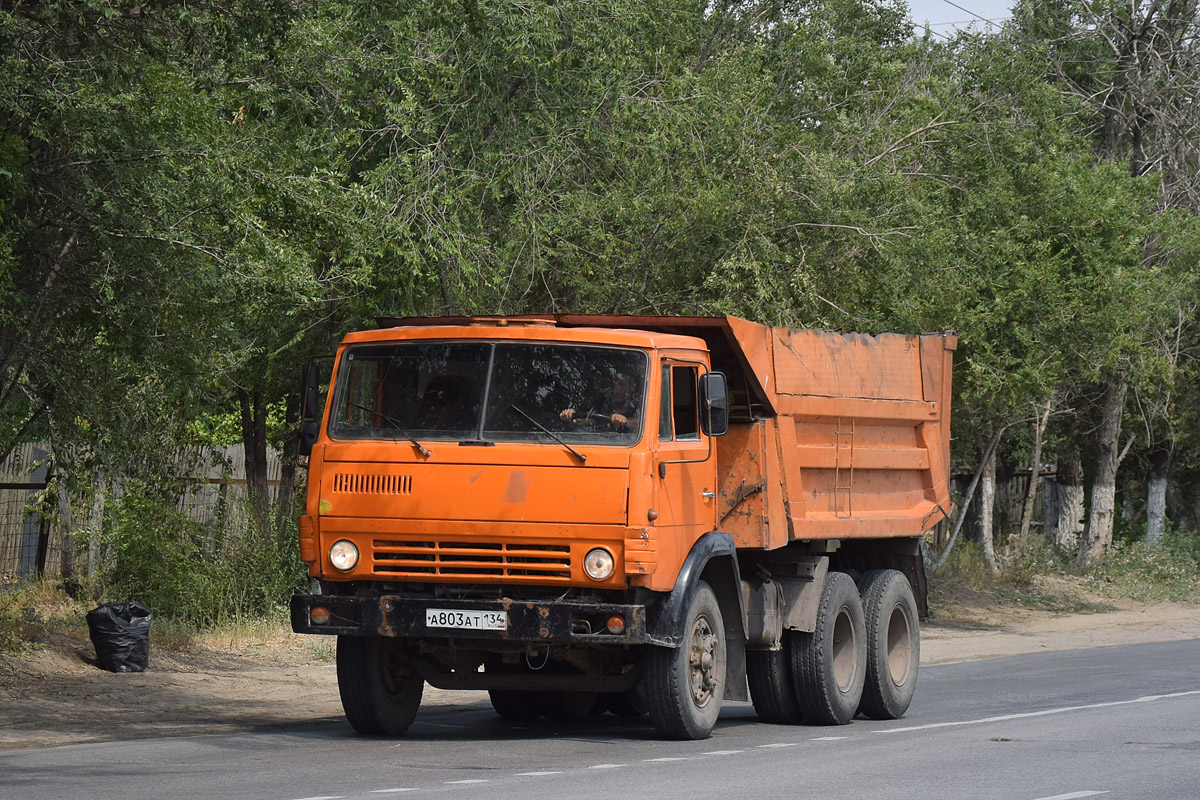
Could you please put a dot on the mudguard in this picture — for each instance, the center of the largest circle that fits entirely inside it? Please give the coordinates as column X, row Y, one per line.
column 665, row 619
column 713, row 558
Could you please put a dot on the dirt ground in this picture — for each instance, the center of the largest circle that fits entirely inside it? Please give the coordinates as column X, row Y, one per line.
column 55, row 695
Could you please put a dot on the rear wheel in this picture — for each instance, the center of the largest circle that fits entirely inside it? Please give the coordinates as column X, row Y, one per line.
column 829, row 665
column 379, row 689
column 771, row 687
column 893, row 644
column 685, row 684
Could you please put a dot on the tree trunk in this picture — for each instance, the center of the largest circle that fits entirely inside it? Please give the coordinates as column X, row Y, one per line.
column 1004, row 512
column 1068, row 521
column 287, row 476
column 65, row 529
column 254, row 439
column 60, row 494
column 1097, row 537
column 1156, row 495
column 96, row 528
column 987, row 505
column 1035, row 468
column 936, row 564
column 449, row 306
column 1050, row 503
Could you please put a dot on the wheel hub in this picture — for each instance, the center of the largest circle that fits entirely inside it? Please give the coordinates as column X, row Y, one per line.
column 702, row 660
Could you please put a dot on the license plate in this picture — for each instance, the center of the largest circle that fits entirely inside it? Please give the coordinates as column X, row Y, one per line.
column 471, row 620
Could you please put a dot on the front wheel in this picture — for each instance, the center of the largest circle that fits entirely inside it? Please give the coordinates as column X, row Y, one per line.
column 379, row 689
column 685, row 684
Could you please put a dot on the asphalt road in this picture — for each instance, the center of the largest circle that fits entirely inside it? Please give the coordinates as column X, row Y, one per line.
column 1120, row 722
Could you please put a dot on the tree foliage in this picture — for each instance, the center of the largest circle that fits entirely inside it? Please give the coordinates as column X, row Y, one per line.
column 195, row 198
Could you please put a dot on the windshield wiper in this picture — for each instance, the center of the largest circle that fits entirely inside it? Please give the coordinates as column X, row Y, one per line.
column 425, row 451
column 582, row 458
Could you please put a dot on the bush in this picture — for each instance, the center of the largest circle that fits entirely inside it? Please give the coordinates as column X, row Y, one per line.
column 194, row 574
column 965, row 566
column 1153, row 573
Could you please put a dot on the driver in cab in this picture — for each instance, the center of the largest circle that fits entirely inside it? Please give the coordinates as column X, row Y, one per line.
column 622, row 403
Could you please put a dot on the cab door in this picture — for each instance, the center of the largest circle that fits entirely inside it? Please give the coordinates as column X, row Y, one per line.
column 686, row 464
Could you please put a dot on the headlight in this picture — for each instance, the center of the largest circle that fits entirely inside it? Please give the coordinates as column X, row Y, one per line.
column 343, row 555
column 598, row 564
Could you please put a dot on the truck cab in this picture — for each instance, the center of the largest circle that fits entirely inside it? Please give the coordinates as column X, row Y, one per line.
column 502, row 454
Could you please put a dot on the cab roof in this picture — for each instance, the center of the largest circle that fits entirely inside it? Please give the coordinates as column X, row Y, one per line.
column 521, row 330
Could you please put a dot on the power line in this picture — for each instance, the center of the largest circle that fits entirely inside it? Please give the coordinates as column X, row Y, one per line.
column 964, row 21
column 968, row 11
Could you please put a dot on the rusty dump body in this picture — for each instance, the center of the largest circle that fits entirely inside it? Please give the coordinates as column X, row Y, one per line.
column 560, row 481
column 852, row 441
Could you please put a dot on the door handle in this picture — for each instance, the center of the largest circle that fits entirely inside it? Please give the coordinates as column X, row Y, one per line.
column 708, row 495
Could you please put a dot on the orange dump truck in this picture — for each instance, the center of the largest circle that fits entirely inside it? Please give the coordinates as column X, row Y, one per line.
column 624, row 513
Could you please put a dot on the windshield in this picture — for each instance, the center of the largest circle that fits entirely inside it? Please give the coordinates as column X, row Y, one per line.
column 493, row 391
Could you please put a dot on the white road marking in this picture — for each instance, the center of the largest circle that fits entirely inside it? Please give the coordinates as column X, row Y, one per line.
column 1072, row 796
column 670, row 758
column 607, row 766
column 722, row 752
column 830, row 738
column 324, row 797
column 1042, row 713
column 537, row 774
column 781, row 744
column 391, row 791
column 469, row 780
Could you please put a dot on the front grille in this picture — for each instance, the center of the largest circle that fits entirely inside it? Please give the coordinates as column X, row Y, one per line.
column 472, row 559
column 371, row 484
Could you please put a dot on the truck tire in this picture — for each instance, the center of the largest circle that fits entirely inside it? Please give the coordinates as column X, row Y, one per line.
column 514, row 705
column 893, row 644
column 771, row 688
column 631, row 703
column 829, row 665
column 380, row 692
column 685, row 684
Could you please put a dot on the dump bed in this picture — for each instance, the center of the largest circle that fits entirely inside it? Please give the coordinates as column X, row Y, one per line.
column 858, row 447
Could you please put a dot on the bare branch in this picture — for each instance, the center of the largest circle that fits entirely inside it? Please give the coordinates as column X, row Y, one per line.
column 894, row 146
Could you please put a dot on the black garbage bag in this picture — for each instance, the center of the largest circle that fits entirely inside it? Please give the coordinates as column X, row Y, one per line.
column 121, row 634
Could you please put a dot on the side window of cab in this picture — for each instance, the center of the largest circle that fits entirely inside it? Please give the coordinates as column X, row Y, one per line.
column 679, row 412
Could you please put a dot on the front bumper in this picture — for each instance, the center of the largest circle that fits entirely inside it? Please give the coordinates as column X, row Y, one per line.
column 542, row 621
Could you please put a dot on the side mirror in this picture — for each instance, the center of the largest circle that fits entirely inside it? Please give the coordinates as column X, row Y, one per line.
column 714, row 404
column 310, row 398
column 308, row 436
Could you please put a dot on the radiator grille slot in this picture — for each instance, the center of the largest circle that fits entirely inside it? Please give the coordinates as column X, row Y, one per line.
column 472, row 559
column 372, row 484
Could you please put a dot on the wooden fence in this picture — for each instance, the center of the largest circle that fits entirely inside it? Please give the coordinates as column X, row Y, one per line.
column 44, row 531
